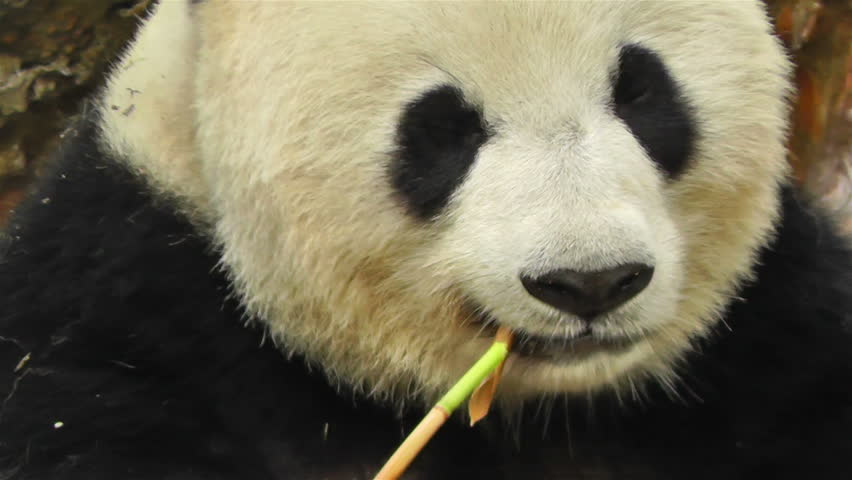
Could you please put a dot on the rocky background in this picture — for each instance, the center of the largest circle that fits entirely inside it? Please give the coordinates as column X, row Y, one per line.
column 55, row 52
column 818, row 34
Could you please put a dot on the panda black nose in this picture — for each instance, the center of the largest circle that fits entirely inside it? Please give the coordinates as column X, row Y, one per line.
column 589, row 294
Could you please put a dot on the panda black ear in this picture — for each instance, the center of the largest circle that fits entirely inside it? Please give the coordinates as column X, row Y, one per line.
column 438, row 137
column 650, row 103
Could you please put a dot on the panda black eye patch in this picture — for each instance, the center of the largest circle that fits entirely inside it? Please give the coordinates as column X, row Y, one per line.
column 438, row 137
column 647, row 99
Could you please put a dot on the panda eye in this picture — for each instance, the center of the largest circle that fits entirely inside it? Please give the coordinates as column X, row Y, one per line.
column 438, row 137
column 647, row 99
column 630, row 90
column 638, row 69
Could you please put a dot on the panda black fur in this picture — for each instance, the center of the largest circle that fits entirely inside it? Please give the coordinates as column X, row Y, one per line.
column 139, row 338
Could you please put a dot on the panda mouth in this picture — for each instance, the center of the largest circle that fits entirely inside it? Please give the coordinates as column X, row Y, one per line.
column 556, row 347
column 564, row 347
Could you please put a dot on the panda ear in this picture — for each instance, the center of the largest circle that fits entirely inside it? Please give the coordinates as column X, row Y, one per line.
column 438, row 137
column 650, row 103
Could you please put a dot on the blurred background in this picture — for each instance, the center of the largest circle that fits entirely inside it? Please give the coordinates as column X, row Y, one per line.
column 53, row 53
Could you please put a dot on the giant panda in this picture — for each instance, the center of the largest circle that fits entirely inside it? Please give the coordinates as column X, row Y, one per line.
column 283, row 229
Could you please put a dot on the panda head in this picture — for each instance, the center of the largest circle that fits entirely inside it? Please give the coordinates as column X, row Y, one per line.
column 388, row 183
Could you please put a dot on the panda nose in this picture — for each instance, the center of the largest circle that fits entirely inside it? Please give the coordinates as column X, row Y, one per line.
column 589, row 294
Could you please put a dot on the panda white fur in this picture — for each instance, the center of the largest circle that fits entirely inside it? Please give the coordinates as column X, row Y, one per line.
column 284, row 228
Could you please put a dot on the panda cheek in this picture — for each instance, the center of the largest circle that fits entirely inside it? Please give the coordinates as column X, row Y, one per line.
column 438, row 138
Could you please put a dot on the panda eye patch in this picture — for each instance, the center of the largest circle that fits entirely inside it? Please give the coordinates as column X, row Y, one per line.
column 647, row 99
column 438, row 137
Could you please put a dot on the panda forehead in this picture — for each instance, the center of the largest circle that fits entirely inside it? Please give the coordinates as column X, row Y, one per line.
column 521, row 54
column 530, row 64
column 563, row 55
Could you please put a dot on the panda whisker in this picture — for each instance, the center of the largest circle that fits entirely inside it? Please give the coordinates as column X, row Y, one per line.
column 548, row 412
column 517, row 425
column 590, row 405
column 566, row 334
column 634, row 393
column 668, row 381
column 617, row 392
column 487, row 324
column 566, row 406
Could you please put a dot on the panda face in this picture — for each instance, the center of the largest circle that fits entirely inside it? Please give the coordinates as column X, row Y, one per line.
column 560, row 230
column 440, row 137
column 395, row 180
